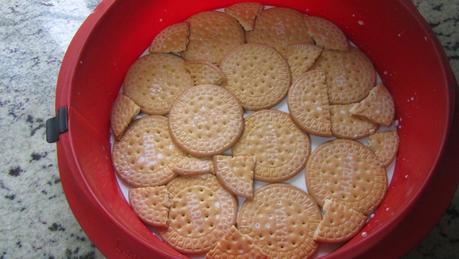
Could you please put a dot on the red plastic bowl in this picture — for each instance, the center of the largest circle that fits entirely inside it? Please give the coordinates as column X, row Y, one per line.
column 392, row 33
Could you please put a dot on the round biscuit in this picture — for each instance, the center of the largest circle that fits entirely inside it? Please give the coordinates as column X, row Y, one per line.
column 281, row 220
column 348, row 172
column 202, row 211
column 308, row 103
column 340, row 223
column 212, row 35
column 377, row 107
column 206, row 120
column 151, row 204
column 155, row 81
column 385, row 146
column 203, row 73
column 235, row 245
column 345, row 125
column 279, row 146
column 257, row 75
column 301, row 57
column 146, row 155
column 350, row 75
column 279, row 27
column 173, row 38
column 326, row 34
column 245, row 13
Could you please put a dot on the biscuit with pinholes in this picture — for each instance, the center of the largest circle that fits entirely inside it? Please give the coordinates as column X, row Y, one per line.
column 236, row 174
column 345, row 125
column 155, row 81
column 257, row 75
column 385, row 146
column 146, row 155
column 301, row 57
column 281, row 220
column 377, row 107
column 279, row 27
column 350, row 75
column 206, row 120
column 203, row 73
column 123, row 112
column 151, row 204
column 279, row 146
column 308, row 103
column 340, row 223
column 237, row 246
column 173, row 38
column 245, row 13
column 201, row 212
column 326, row 34
column 212, row 35
column 348, row 172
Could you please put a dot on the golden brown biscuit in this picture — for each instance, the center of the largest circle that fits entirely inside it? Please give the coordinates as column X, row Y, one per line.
column 385, row 146
column 350, row 75
column 348, row 172
column 123, row 112
column 202, row 211
column 155, row 81
column 281, row 220
column 173, row 38
column 206, row 120
column 326, row 34
column 151, row 204
column 257, row 75
column 237, row 246
column 308, row 103
column 281, row 149
column 279, row 27
column 245, row 13
column 340, row 223
column 377, row 107
column 236, row 174
column 212, row 35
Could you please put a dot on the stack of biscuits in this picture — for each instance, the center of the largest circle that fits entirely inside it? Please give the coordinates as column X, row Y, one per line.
column 194, row 127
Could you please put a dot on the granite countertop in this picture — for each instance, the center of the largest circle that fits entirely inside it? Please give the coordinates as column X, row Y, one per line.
column 35, row 219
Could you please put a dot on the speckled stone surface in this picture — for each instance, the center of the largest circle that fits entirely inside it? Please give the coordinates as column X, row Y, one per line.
column 35, row 220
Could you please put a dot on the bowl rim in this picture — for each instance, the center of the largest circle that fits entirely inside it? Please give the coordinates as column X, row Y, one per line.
column 65, row 145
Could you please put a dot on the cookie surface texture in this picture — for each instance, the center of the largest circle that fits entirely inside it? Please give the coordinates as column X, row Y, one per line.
column 385, row 146
column 171, row 39
column 280, row 147
column 279, row 27
column 146, row 155
column 326, row 34
column 245, row 13
column 301, row 57
column 123, row 112
column 235, row 245
column 340, row 223
column 236, row 174
column 281, row 220
column 206, row 120
column 202, row 211
column 212, row 36
column 155, row 81
column 348, row 172
column 151, row 204
column 308, row 103
column 345, row 125
column 204, row 72
column 350, row 75
column 257, row 75
column 377, row 107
